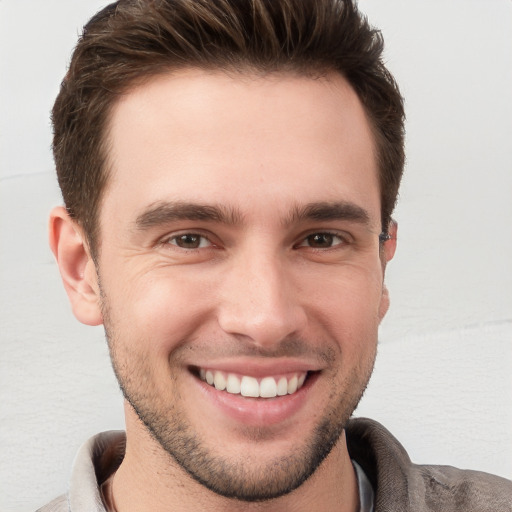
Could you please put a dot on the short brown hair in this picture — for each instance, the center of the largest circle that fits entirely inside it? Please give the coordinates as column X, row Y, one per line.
column 130, row 41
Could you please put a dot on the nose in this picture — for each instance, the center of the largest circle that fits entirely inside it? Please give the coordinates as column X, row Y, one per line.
column 260, row 300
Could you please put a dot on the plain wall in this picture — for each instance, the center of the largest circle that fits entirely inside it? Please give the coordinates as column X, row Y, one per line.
column 442, row 382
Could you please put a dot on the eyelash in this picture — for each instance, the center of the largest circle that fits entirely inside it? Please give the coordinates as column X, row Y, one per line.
column 202, row 237
column 343, row 240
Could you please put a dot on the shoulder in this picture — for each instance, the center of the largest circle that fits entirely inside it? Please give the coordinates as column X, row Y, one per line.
column 401, row 485
column 95, row 461
column 59, row 504
column 465, row 490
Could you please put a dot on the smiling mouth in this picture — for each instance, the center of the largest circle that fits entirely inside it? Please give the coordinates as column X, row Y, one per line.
column 248, row 386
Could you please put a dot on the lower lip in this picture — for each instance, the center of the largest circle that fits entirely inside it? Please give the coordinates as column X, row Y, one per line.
column 258, row 412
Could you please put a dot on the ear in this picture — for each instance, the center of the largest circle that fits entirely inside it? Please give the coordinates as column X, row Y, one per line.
column 387, row 253
column 76, row 266
column 389, row 246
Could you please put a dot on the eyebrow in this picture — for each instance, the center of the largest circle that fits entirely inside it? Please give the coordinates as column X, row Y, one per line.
column 165, row 212
column 339, row 210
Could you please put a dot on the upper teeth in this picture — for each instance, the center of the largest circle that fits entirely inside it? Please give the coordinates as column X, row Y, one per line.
column 267, row 387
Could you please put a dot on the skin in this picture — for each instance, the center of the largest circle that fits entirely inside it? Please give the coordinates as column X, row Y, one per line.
column 263, row 289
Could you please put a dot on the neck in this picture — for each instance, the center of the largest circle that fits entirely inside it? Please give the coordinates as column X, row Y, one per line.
column 149, row 479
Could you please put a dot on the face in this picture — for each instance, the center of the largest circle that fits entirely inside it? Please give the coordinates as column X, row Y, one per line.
column 240, row 270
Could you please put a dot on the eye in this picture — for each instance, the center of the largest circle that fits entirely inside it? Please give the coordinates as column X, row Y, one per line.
column 322, row 240
column 189, row 241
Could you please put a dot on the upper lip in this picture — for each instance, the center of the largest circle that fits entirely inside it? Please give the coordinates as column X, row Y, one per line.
column 259, row 368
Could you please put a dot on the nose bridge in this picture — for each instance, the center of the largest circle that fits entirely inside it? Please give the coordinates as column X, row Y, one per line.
column 259, row 299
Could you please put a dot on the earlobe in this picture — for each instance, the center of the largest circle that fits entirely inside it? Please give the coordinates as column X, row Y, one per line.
column 384, row 303
column 76, row 266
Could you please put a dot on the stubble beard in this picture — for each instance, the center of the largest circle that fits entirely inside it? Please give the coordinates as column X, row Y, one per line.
column 235, row 479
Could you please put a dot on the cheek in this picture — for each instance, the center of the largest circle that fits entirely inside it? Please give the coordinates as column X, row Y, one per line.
column 162, row 309
column 349, row 307
column 351, row 289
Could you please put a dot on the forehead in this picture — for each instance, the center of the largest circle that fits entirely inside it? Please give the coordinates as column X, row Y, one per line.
column 243, row 140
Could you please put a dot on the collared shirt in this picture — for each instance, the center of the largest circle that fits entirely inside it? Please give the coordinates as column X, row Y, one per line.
column 366, row 494
column 387, row 477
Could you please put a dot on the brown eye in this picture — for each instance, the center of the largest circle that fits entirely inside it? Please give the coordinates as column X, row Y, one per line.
column 322, row 241
column 189, row 241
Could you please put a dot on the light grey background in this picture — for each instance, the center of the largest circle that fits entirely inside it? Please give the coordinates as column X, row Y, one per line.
column 443, row 380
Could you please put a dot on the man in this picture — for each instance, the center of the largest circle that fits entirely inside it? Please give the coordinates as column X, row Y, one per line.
column 229, row 171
